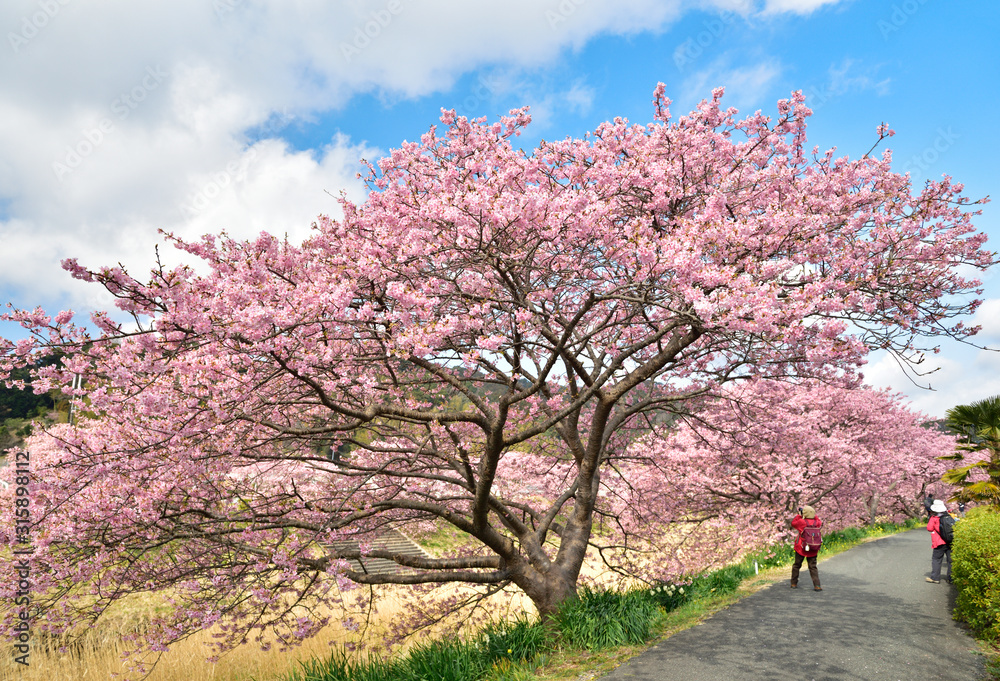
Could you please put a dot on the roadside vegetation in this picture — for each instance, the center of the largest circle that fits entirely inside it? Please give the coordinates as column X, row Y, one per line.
column 591, row 634
column 976, row 573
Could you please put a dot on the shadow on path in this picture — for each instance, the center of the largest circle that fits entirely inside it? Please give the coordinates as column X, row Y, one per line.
column 876, row 618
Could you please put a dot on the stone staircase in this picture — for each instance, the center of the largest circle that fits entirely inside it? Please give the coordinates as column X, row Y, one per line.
column 390, row 540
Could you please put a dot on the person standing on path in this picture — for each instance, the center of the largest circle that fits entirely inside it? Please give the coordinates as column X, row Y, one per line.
column 940, row 545
column 806, row 548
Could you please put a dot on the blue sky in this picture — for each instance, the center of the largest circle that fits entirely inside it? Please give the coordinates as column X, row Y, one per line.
column 195, row 116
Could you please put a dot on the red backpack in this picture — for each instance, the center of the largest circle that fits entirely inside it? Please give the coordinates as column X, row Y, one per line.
column 811, row 537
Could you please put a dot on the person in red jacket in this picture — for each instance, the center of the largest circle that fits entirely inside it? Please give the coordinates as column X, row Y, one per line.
column 803, row 550
column 940, row 547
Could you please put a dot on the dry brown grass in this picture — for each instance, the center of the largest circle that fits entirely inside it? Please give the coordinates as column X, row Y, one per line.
column 99, row 652
column 101, row 657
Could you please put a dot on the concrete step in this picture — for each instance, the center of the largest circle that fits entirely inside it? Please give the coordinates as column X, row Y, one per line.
column 390, row 540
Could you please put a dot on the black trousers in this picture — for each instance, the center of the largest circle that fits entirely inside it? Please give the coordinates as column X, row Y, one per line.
column 813, row 570
column 936, row 559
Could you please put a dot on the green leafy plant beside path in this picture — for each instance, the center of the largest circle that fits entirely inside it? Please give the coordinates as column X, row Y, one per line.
column 500, row 652
column 976, row 553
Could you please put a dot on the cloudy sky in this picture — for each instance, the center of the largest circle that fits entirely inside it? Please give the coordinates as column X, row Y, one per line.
column 122, row 118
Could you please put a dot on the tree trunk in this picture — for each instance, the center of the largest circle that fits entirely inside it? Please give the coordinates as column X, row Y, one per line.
column 547, row 591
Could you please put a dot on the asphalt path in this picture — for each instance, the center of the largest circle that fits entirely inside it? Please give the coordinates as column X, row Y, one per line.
column 876, row 618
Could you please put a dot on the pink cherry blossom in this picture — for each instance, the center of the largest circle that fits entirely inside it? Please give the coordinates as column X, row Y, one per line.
column 488, row 341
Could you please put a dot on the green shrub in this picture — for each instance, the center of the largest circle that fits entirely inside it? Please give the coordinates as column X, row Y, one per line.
column 772, row 556
column 597, row 620
column 722, row 581
column 497, row 653
column 976, row 555
column 977, row 511
column 849, row 536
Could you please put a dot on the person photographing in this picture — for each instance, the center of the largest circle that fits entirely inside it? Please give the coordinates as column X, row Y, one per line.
column 807, row 545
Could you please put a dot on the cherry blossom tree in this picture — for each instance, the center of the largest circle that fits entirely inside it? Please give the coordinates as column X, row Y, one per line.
column 735, row 470
column 483, row 305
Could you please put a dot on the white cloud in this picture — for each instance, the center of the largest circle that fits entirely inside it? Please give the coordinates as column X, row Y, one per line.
column 796, row 6
column 843, row 79
column 243, row 192
column 847, row 77
column 961, row 378
column 988, row 317
column 746, row 86
column 580, row 97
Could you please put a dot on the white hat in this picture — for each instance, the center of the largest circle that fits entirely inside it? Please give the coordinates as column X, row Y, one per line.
column 938, row 507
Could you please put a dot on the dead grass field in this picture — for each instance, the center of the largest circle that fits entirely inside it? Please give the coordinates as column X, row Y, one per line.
column 99, row 653
column 100, row 656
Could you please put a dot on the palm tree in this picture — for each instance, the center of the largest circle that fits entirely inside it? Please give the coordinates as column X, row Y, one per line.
column 978, row 428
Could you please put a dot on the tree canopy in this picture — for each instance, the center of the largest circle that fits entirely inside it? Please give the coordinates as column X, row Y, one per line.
column 483, row 308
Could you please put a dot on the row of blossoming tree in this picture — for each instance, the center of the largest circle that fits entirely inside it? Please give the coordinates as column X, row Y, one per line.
column 730, row 476
column 503, row 341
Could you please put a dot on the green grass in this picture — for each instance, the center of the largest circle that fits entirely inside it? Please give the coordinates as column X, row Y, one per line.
column 338, row 667
column 442, row 539
column 597, row 620
column 520, row 640
column 993, row 666
column 502, row 652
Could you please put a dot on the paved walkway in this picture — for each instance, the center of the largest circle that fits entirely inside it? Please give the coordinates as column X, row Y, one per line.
column 875, row 619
